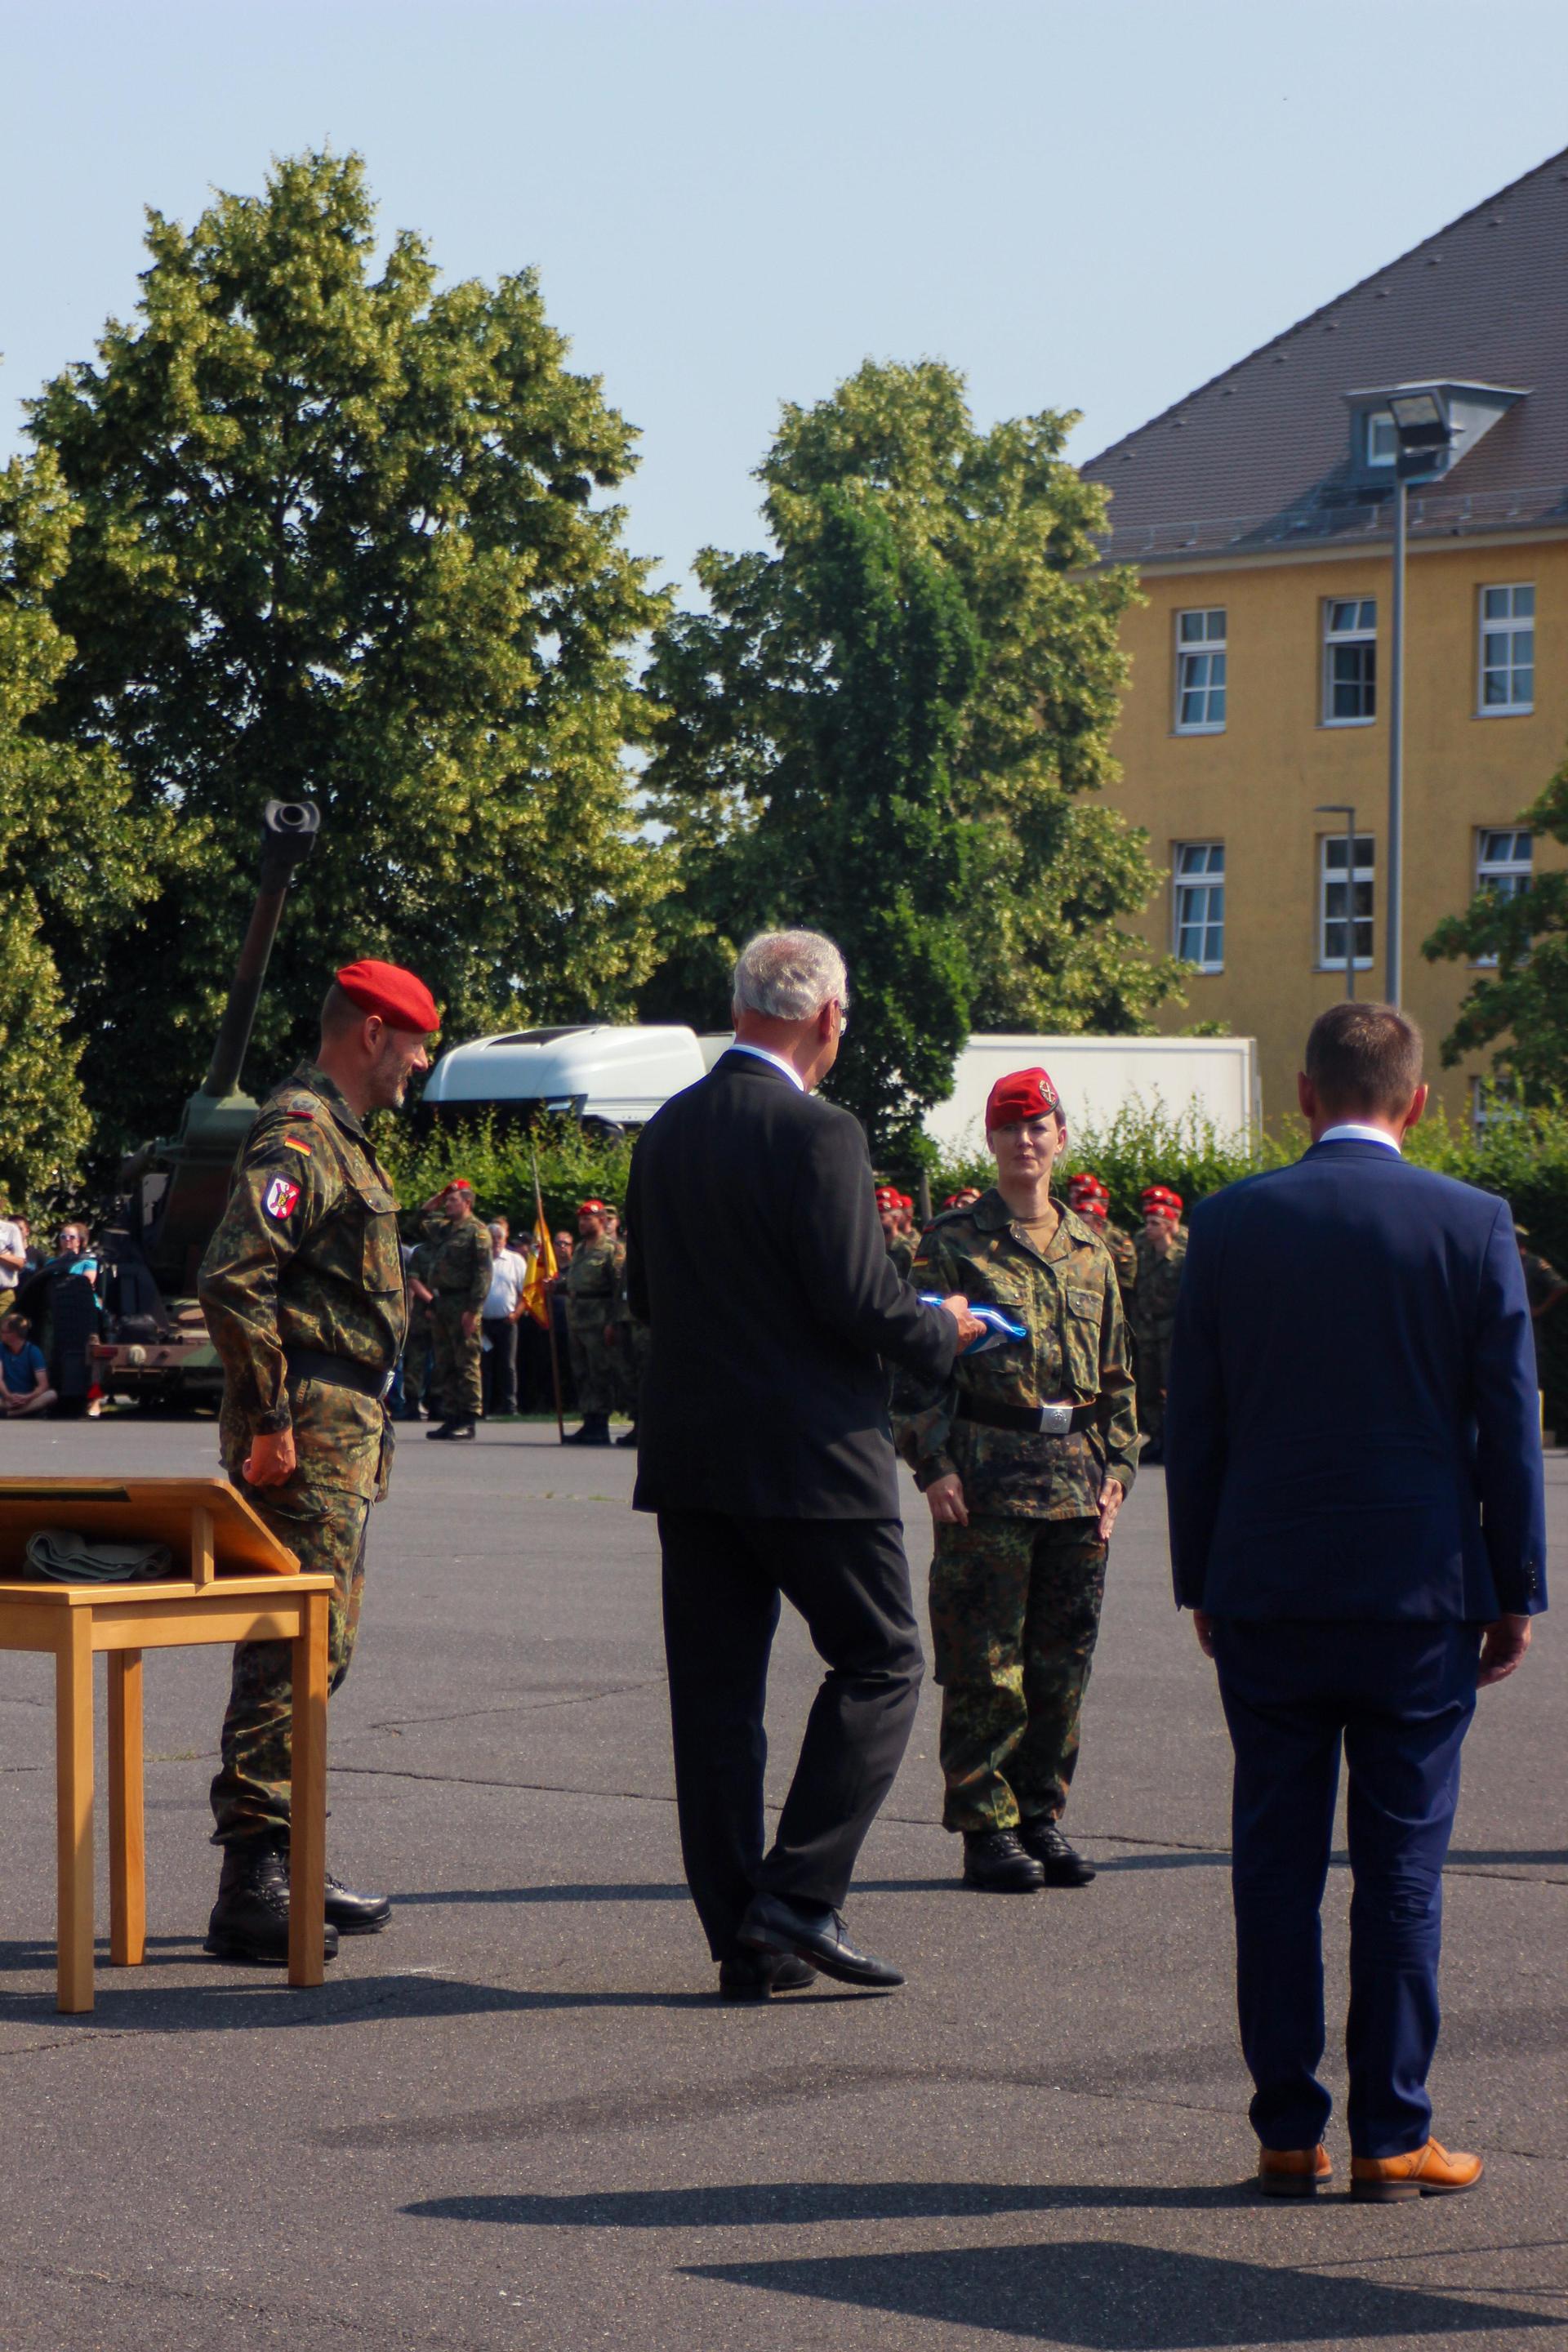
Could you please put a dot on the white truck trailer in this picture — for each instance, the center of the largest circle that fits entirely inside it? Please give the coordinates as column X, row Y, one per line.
column 620, row 1076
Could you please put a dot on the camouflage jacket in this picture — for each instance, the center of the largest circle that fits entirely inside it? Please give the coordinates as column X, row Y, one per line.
column 1076, row 1349
column 306, row 1257
column 903, row 1252
column 1124, row 1258
column 592, row 1283
column 460, row 1259
column 1159, row 1280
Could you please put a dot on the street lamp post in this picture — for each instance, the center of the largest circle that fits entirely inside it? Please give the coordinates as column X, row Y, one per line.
column 1424, row 433
column 1345, row 809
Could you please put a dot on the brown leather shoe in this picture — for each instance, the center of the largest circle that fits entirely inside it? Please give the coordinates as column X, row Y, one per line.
column 1293, row 2171
column 1428, row 2171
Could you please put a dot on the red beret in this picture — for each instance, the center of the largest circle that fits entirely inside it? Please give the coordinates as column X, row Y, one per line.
column 886, row 1198
column 1088, row 1183
column 1022, row 1094
column 1159, row 1200
column 403, row 1001
column 459, row 1185
column 590, row 1208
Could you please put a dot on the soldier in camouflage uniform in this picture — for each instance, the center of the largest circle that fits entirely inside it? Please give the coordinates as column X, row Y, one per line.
column 1089, row 1198
column 629, row 1353
column 1023, row 1499
column 1161, row 1249
column 460, row 1261
column 900, row 1243
column 591, row 1282
column 303, row 1289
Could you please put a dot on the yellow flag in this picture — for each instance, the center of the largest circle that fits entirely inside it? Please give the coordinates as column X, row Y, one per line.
column 542, row 1269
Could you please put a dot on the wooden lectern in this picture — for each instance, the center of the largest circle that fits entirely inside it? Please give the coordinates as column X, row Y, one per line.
column 241, row 1585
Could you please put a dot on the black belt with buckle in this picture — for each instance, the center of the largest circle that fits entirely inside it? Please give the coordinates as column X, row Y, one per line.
column 337, row 1371
column 1039, row 1420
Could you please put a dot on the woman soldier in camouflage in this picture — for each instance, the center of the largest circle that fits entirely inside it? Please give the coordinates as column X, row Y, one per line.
column 1024, row 1460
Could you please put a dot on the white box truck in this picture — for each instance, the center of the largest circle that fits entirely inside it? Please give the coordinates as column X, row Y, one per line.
column 619, row 1076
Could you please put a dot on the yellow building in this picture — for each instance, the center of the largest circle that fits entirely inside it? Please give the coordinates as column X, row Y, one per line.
column 1260, row 514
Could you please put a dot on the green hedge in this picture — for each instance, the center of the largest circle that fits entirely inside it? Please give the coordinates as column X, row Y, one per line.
column 1524, row 1159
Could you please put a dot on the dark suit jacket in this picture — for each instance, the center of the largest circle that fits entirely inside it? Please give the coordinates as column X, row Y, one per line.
column 1352, row 1428
column 755, row 1257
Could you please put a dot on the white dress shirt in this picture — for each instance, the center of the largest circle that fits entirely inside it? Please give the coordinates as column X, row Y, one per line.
column 1349, row 1131
column 763, row 1055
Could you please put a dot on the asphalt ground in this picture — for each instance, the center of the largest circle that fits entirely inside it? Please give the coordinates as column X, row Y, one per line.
column 520, row 2118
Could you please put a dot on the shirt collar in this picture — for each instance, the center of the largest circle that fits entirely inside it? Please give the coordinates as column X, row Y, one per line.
column 1349, row 1131
column 763, row 1055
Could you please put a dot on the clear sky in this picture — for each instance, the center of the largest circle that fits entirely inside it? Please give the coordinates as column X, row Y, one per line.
column 1092, row 205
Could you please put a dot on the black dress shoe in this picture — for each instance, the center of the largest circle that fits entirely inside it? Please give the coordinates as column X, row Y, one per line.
column 811, row 1932
column 757, row 1976
column 452, row 1429
column 250, row 1918
column 995, row 1863
column 1062, row 1863
column 355, row 1915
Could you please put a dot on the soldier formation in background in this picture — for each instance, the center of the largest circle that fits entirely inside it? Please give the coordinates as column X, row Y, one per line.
column 459, row 1244
column 1161, row 1249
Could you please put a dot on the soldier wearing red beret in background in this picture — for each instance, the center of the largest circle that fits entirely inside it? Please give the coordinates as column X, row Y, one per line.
column 1023, row 1459
column 1161, row 1249
column 592, row 1284
column 304, row 1293
column 896, row 1221
column 1089, row 1196
column 458, row 1277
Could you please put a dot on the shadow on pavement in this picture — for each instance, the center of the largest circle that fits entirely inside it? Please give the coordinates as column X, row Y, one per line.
column 767, row 2204
column 1108, row 2296
column 262, row 1998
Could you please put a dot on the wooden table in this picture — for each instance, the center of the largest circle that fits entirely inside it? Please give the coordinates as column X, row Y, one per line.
column 243, row 1585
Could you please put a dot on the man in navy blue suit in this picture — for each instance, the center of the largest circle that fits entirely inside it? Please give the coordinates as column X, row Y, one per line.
column 1357, row 1522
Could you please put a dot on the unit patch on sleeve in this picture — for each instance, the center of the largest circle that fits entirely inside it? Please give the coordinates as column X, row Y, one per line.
column 281, row 1199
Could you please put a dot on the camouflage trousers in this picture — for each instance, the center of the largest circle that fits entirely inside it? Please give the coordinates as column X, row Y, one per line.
column 327, row 1531
column 629, row 1358
column 1153, row 1370
column 415, row 1350
column 595, row 1367
column 1014, row 1612
column 455, row 1376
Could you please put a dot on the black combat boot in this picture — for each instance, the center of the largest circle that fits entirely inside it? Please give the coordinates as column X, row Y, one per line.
column 1062, row 1863
column 595, row 1431
column 250, row 1917
column 995, row 1863
column 355, row 1915
column 453, row 1427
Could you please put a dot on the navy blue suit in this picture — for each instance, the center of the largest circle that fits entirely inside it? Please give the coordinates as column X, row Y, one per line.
column 1355, row 1487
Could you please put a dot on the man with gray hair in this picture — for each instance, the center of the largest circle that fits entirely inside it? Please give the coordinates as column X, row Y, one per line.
column 757, row 1262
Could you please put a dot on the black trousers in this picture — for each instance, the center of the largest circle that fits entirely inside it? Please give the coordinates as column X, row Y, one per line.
column 497, row 1365
column 723, row 1582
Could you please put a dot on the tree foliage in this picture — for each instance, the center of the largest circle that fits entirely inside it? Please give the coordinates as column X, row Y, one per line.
column 342, row 537
column 74, row 859
column 1523, row 1000
column 895, row 723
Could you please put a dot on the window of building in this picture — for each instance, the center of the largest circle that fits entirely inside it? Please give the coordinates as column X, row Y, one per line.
column 1200, row 904
column 1503, row 864
column 1382, row 441
column 1349, row 661
column 1493, row 1101
column 1200, row 672
column 1508, row 650
column 1344, row 902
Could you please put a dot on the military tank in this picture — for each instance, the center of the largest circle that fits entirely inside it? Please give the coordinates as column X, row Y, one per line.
column 170, row 1195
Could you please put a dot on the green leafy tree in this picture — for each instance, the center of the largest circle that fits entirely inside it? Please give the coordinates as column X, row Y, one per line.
column 342, row 536
column 790, row 788
column 75, row 861
column 1523, row 1000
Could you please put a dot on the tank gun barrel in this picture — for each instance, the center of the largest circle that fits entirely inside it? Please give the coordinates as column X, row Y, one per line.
column 289, row 830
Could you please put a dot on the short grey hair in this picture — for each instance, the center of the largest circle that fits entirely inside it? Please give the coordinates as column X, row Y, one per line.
column 789, row 975
column 498, row 1225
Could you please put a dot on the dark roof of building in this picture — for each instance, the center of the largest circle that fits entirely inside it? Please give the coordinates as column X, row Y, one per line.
column 1259, row 459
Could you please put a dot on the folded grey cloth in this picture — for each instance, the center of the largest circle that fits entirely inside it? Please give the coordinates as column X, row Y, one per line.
column 67, row 1557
